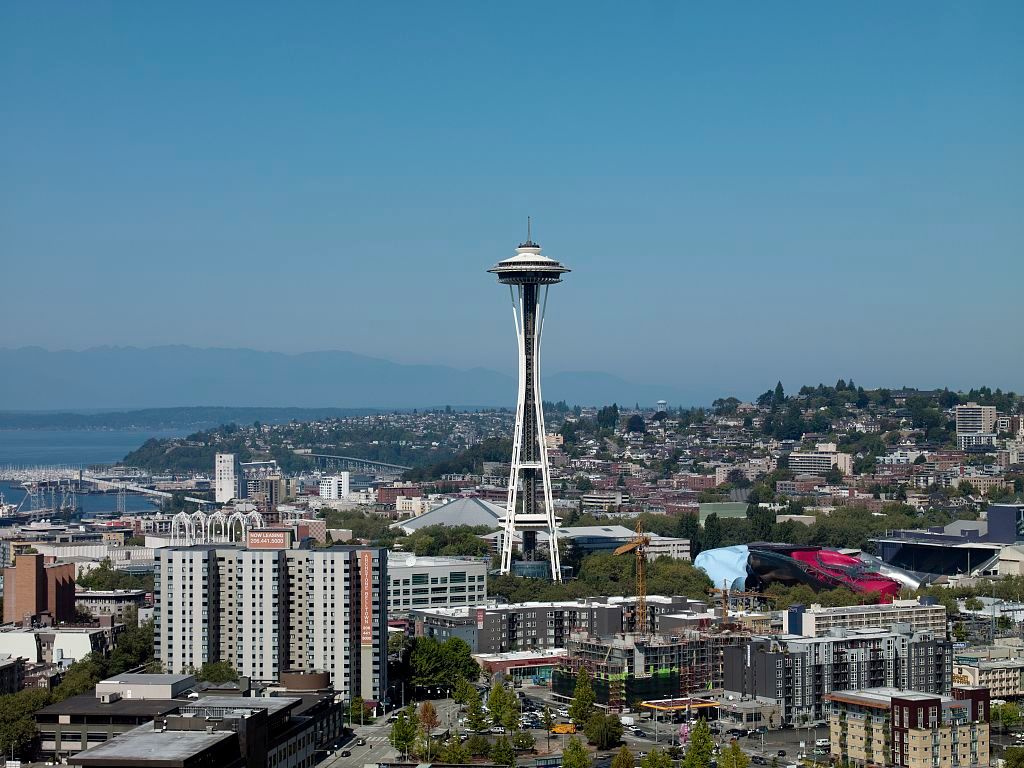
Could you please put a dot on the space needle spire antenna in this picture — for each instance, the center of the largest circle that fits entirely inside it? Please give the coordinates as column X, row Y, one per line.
column 530, row 507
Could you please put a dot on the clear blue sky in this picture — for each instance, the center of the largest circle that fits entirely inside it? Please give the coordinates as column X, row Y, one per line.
column 745, row 191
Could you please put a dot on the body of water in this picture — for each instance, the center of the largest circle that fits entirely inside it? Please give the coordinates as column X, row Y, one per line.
column 90, row 504
column 33, row 447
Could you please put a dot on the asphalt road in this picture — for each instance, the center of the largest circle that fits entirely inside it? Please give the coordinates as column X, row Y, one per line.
column 377, row 747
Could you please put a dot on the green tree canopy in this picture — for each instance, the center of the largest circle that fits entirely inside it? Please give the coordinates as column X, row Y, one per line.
column 478, row 745
column 454, row 751
column 502, row 752
column 502, row 704
column 733, row 757
column 442, row 665
column 623, row 758
column 700, row 747
column 106, row 577
column 476, row 718
column 1014, row 757
column 656, row 758
column 583, row 698
column 403, row 731
column 575, row 755
column 523, row 741
column 217, row 672
column 603, row 730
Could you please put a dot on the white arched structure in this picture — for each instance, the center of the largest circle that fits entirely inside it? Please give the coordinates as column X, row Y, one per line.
column 214, row 528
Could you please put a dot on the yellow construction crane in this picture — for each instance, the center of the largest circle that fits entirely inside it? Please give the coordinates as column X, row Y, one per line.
column 639, row 545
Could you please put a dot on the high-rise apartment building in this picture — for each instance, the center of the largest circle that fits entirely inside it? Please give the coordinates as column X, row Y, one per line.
column 335, row 487
column 225, row 480
column 975, row 425
column 266, row 608
column 973, row 419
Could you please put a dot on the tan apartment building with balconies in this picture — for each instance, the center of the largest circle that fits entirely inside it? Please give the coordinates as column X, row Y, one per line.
column 908, row 729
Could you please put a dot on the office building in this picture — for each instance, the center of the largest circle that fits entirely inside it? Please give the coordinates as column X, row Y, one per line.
column 821, row 460
column 117, row 705
column 225, row 478
column 335, row 487
column 266, row 608
column 817, row 621
column 890, row 728
column 796, row 672
column 422, row 582
column 221, row 732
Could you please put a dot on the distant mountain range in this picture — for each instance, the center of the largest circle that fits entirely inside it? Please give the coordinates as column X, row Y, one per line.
column 32, row 378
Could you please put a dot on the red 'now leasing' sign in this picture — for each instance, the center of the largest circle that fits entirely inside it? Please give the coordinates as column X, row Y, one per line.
column 366, row 597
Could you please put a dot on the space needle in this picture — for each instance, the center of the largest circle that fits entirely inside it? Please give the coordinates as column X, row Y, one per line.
column 528, row 275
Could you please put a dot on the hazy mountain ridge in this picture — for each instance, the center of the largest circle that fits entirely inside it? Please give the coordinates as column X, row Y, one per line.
column 181, row 376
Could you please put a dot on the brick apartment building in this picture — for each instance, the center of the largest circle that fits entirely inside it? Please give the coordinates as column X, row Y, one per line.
column 33, row 588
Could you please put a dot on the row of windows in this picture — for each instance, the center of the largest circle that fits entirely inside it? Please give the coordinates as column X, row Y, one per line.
column 455, row 577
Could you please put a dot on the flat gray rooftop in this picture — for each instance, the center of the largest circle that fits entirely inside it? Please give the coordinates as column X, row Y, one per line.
column 145, row 743
column 271, row 704
column 142, row 678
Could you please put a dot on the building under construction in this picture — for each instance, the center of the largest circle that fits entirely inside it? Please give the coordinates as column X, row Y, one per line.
column 627, row 669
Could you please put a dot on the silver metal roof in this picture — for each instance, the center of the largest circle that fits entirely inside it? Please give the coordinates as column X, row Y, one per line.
column 529, row 266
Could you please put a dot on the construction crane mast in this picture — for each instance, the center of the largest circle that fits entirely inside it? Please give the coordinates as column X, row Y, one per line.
column 728, row 595
column 639, row 546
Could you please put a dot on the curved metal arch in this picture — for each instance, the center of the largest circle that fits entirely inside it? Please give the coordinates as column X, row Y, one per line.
column 217, row 527
column 183, row 529
column 240, row 519
column 199, row 527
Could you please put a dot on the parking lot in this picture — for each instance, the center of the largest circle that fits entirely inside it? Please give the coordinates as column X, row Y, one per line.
column 784, row 745
column 777, row 747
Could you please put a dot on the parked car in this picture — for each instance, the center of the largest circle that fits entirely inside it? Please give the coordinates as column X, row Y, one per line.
column 497, row 729
column 759, row 760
